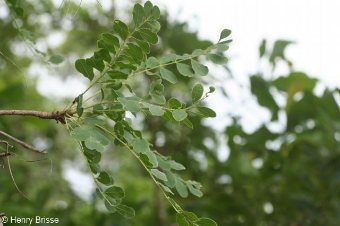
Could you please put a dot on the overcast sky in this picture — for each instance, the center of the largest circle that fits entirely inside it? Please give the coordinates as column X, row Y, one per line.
column 312, row 24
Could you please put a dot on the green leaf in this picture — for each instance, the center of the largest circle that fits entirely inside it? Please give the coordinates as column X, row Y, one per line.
column 79, row 101
column 181, row 188
column 125, row 211
column 181, row 221
column 104, row 178
column 115, row 192
column 158, row 174
column 217, row 58
column 156, row 110
column 168, row 75
column 176, row 166
column 194, row 188
column 174, row 103
column 197, row 93
column 184, row 70
column 198, row 68
column 152, row 158
column 168, row 58
column 138, row 14
column 84, row 68
column 148, row 35
column 205, row 222
column 109, row 42
column 103, row 54
column 224, row 34
column 140, row 146
column 206, row 112
column 130, row 104
column 152, row 62
column 92, row 137
column 95, row 63
column 179, row 114
column 121, row 29
column 56, row 59
column 110, row 207
column 171, row 179
column 114, row 74
column 262, row 48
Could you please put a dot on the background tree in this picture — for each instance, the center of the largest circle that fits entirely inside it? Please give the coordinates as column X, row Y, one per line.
column 270, row 178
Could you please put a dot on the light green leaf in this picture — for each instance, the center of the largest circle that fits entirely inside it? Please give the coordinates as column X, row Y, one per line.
column 179, row 114
column 168, row 75
column 206, row 112
column 176, row 166
column 125, row 211
column 140, row 146
column 168, row 58
column 92, row 137
column 197, row 93
column 165, row 188
column 152, row 62
column 184, row 70
column 217, row 58
column 198, row 68
column 129, row 104
column 181, row 188
column 56, row 59
column 194, row 188
column 158, row 174
column 84, row 68
column 156, row 110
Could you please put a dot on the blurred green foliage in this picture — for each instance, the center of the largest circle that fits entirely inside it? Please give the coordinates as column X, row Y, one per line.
column 288, row 176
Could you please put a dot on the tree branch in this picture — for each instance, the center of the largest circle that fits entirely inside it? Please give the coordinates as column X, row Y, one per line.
column 59, row 116
column 22, row 143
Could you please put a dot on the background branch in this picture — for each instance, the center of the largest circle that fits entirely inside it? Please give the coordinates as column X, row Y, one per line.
column 22, row 143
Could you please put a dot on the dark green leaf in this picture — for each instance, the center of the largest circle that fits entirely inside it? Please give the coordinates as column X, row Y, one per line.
column 206, row 112
column 84, row 68
column 125, row 211
column 181, row 221
column 224, row 34
column 115, row 192
column 197, row 93
column 105, row 178
column 121, row 29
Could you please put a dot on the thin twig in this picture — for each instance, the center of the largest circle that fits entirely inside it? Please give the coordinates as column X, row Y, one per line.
column 59, row 116
column 22, row 143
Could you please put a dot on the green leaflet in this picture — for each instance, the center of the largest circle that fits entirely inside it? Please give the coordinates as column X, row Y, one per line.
column 84, row 68
column 92, row 137
column 179, row 114
column 206, row 112
column 56, row 59
column 199, row 69
column 197, row 93
column 158, row 174
column 168, row 75
column 184, row 70
column 104, row 178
